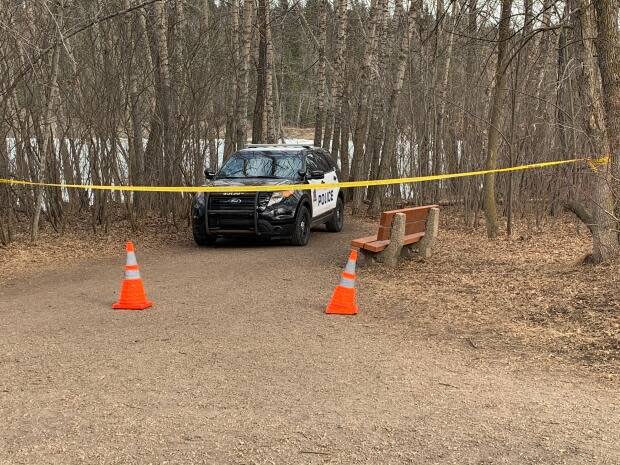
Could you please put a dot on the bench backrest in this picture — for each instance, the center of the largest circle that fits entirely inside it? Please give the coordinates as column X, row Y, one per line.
column 415, row 221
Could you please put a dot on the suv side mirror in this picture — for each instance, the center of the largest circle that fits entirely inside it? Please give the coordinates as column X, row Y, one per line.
column 318, row 174
column 209, row 174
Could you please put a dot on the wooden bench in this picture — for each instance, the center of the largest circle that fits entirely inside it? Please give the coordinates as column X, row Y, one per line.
column 415, row 229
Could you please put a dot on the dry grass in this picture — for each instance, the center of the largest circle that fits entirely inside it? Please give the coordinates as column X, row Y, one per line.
column 531, row 291
column 79, row 243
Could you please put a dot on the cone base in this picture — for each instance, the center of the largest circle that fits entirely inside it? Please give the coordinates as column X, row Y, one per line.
column 338, row 310
column 127, row 306
column 132, row 296
column 342, row 302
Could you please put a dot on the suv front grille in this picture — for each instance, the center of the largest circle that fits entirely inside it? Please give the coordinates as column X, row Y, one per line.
column 232, row 212
column 263, row 198
column 243, row 202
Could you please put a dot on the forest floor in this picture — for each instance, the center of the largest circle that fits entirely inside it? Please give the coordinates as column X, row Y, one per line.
column 504, row 351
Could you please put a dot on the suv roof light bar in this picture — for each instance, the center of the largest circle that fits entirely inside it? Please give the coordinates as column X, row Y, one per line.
column 253, row 146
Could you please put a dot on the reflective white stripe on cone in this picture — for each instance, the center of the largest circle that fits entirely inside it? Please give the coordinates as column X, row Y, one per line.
column 132, row 274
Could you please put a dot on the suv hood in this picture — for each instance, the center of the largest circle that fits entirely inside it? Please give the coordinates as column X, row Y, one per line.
column 250, row 182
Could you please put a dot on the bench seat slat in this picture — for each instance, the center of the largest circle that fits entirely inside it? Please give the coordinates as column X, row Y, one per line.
column 411, row 209
column 370, row 243
column 413, row 238
column 385, row 226
column 415, row 227
column 376, row 246
column 362, row 241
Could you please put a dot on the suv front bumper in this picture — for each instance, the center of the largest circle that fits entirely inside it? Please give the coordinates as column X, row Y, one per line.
column 252, row 219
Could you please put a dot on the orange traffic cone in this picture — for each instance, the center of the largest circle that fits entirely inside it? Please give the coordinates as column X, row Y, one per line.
column 133, row 296
column 343, row 298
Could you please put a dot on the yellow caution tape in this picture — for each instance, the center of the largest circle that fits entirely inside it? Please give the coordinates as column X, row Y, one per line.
column 594, row 163
column 292, row 187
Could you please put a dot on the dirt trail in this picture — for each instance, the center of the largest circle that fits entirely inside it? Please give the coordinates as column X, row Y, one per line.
column 237, row 364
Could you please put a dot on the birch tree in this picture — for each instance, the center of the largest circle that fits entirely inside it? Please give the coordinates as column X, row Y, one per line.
column 495, row 115
column 389, row 142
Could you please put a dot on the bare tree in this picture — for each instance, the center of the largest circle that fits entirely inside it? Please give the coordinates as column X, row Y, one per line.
column 269, row 120
column 605, row 239
column 334, row 115
column 48, row 126
column 361, row 125
column 248, row 16
column 320, row 91
column 495, row 113
column 389, row 141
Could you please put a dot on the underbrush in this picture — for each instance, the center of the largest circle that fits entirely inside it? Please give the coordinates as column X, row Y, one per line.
column 532, row 290
column 80, row 241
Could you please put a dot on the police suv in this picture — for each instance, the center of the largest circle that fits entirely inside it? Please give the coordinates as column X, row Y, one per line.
column 275, row 215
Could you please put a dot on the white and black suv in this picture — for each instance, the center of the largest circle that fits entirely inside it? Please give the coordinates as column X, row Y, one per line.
column 276, row 215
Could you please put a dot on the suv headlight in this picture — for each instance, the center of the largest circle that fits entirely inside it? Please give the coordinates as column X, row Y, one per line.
column 199, row 199
column 198, row 205
column 278, row 197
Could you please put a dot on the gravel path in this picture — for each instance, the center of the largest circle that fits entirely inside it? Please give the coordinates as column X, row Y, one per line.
column 237, row 364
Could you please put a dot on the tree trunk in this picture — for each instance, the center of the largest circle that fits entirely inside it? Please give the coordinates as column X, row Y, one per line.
column 233, row 120
column 136, row 147
column 381, row 87
column 258, row 122
column 440, row 145
column 361, row 124
column 605, row 241
column 590, row 81
column 338, row 76
column 269, row 113
column 608, row 46
column 164, row 95
column 389, row 142
column 320, row 92
column 242, row 124
column 495, row 114
column 47, row 131
column 344, row 135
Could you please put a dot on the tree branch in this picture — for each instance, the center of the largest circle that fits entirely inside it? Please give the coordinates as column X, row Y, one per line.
column 580, row 212
column 29, row 67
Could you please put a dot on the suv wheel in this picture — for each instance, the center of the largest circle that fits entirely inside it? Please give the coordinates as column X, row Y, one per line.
column 336, row 222
column 201, row 237
column 301, row 234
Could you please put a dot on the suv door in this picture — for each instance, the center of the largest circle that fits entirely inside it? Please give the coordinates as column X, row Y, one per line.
column 331, row 176
column 320, row 197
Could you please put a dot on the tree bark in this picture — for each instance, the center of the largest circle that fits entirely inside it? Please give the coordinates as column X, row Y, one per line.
column 381, row 87
column 389, row 142
column 361, row 124
column 320, row 91
column 605, row 241
column 495, row 115
column 164, row 96
column 47, row 131
column 246, row 35
column 258, row 122
column 269, row 111
column 344, row 136
column 608, row 46
column 136, row 147
column 441, row 115
column 233, row 120
column 338, row 78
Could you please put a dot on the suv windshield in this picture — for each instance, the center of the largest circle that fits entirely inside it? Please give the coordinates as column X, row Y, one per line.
column 262, row 164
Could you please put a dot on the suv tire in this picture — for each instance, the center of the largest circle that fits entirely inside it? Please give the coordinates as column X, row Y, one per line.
column 336, row 222
column 201, row 238
column 301, row 233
